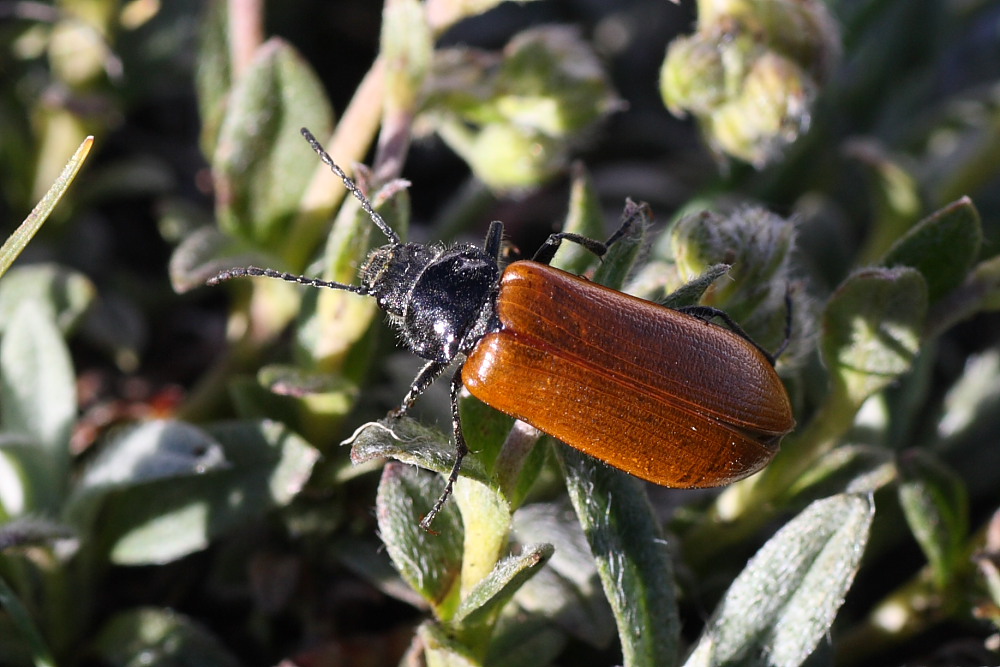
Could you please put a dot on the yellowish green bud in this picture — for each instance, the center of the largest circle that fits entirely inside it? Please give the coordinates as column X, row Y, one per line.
column 693, row 76
column 751, row 72
column 513, row 116
column 772, row 110
column 504, row 156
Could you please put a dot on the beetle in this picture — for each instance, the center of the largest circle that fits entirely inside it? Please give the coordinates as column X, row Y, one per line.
column 662, row 394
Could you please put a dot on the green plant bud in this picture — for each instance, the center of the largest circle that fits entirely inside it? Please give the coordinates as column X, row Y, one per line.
column 801, row 30
column 771, row 111
column 692, row 78
column 552, row 81
column 750, row 73
column 757, row 245
column 512, row 116
column 505, row 156
column 754, row 241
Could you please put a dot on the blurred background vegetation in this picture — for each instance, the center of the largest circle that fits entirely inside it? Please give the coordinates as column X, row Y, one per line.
column 171, row 486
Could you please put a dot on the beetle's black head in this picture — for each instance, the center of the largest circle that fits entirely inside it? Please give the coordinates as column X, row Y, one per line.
column 391, row 271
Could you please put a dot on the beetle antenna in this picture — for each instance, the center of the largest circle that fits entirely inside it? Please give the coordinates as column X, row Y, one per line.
column 244, row 271
column 352, row 187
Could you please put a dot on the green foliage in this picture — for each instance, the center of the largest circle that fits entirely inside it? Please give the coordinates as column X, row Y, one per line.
column 782, row 604
column 838, row 207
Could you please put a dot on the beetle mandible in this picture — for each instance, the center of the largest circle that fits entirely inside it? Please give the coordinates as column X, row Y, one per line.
column 660, row 393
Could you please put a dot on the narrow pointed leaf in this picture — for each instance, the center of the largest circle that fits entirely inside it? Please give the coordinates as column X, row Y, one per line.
column 508, row 575
column 936, row 506
column 19, row 240
column 782, row 605
column 22, row 621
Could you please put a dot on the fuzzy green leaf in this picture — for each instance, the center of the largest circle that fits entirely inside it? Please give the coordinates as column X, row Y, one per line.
column 154, row 450
column 66, row 293
column 260, row 163
column 154, row 636
column 634, row 568
column 409, row 441
column 942, row 246
column 783, row 603
column 936, row 506
column 486, row 599
column 871, row 329
column 151, row 451
column 176, row 510
column 430, row 564
column 38, row 399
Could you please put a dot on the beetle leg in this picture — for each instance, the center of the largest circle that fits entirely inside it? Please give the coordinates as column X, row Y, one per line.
column 461, row 449
column 431, row 371
column 547, row 251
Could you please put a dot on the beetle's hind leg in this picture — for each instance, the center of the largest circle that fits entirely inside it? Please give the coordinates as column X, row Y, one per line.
column 461, row 449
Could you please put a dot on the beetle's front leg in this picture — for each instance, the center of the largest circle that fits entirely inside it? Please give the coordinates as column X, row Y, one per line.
column 431, row 371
